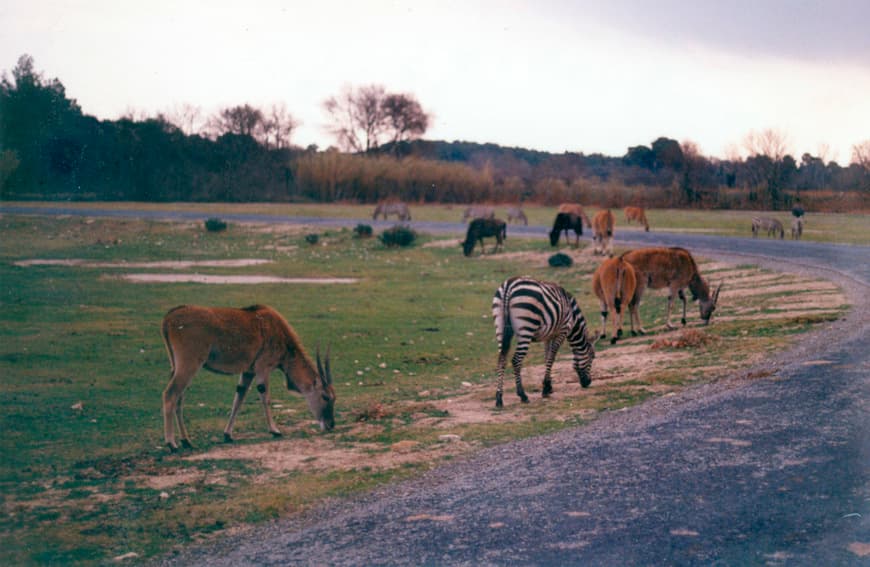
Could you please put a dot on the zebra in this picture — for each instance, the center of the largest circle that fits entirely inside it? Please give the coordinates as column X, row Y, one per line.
column 536, row 310
column 797, row 228
column 771, row 225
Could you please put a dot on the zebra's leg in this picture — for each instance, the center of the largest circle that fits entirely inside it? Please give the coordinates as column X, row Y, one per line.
column 552, row 347
column 517, row 361
column 502, row 359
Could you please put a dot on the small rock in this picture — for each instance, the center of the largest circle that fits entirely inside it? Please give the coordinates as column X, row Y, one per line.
column 449, row 438
column 77, row 406
column 467, row 384
column 126, row 556
column 164, row 495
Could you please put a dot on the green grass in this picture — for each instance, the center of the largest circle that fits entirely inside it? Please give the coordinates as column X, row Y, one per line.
column 85, row 368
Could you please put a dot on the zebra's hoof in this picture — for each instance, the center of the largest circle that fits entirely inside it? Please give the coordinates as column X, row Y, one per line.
column 524, row 398
column 228, row 438
column 498, row 401
column 548, row 389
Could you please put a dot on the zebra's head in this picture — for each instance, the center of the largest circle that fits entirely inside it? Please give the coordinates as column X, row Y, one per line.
column 583, row 361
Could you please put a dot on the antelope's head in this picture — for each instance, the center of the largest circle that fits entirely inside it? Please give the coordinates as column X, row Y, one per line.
column 323, row 405
column 709, row 305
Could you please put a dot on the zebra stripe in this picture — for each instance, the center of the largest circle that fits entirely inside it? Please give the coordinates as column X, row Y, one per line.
column 537, row 311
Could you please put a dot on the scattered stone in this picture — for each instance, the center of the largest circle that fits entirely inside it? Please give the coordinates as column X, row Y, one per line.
column 126, row 556
column 78, row 406
column 449, row 438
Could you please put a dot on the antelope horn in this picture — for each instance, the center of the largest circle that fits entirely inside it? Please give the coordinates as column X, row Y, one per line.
column 716, row 293
column 319, row 365
column 328, row 376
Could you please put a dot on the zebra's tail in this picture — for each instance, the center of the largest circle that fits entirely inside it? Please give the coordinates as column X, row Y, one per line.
column 501, row 313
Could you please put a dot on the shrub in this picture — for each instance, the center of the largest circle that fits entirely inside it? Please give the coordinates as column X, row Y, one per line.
column 312, row 238
column 215, row 225
column 363, row 231
column 560, row 260
column 398, row 236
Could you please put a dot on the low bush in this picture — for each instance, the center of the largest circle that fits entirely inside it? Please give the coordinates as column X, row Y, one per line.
column 401, row 236
column 560, row 260
column 215, row 225
column 312, row 238
column 363, row 231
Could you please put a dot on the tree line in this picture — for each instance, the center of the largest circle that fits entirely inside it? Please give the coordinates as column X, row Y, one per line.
column 50, row 149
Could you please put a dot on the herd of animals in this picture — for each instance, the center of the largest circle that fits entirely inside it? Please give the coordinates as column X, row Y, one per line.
column 253, row 341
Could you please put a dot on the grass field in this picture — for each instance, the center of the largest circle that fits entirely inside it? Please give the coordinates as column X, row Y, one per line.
column 819, row 227
column 85, row 476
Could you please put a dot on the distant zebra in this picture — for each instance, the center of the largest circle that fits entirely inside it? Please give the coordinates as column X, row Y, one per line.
column 478, row 212
column 797, row 228
column 771, row 225
column 515, row 213
column 535, row 310
column 396, row 208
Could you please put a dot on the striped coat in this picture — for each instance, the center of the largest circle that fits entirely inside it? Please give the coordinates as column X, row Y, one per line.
column 536, row 311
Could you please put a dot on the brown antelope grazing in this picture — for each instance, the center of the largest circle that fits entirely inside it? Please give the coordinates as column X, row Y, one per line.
column 478, row 212
column 515, row 213
column 575, row 209
column 565, row 222
column 771, row 225
column 396, row 208
column 797, row 228
column 614, row 283
column 636, row 214
column 251, row 342
column 480, row 228
column 672, row 268
column 602, row 232
column 535, row 310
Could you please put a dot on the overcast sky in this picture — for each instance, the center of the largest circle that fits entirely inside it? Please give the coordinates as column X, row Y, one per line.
column 554, row 75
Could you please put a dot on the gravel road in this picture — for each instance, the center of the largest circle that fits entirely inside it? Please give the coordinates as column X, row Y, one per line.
column 767, row 467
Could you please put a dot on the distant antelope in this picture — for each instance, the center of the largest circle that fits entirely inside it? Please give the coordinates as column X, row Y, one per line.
column 602, row 232
column 575, row 209
column 534, row 310
column 395, row 208
column 252, row 342
column 516, row 213
column 478, row 229
column 797, row 228
column 771, row 225
column 614, row 283
column 565, row 222
column 478, row 212
column 636, row 214
column 672, row 268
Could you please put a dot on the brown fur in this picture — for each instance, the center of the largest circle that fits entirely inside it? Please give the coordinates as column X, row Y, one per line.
column 602, row 232
column 636, row 214
column 251, row 342
column 672, row 268
column 614, row 283
column 576, row 210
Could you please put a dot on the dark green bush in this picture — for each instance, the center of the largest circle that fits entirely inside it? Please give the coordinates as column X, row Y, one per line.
column 560, row 260
column 215, row 225
column 363, row 231
column 312, row 238
column 398, row 236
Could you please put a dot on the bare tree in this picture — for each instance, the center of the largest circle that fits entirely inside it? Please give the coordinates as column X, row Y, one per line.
column 187, row 117
column 357, row 117
column 277, row 127
column 770, row 143
column 770, row 160
column 243, row 120
column 405, row 117
column 861, row 155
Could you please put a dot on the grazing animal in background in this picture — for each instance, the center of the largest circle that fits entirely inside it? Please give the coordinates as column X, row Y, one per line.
column 516, row 214
column 797, row 228
column 672, row 268
column 479, row 229
column 636, row 214
column 478, row 212
column 771, row 225
column 575, row 209
column 396, row 208
column 251, row 342
column 565, row 222
column 614, row 283
column 602, row 232
column 534, row 310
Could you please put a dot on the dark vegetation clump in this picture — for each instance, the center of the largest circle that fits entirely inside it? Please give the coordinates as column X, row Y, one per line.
column 312, row 238
column 362, row 231
column 215, row 225
column 560, row 260
column 398, row 236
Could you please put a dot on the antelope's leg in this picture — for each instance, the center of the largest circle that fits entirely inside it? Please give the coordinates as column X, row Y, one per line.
column 517, row 361
column 242, row 389
column 179, row 418
column 634, row 310
column 178, row 382
column 263, row 389
column 670, row 306
column 683, row 298
column 617, row 325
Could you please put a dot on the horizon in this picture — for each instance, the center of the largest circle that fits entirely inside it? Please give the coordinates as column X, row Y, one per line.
column 553, row 77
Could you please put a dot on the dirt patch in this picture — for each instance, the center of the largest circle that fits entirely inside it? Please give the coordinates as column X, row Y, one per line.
column 228, row 280
column 180, row 264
